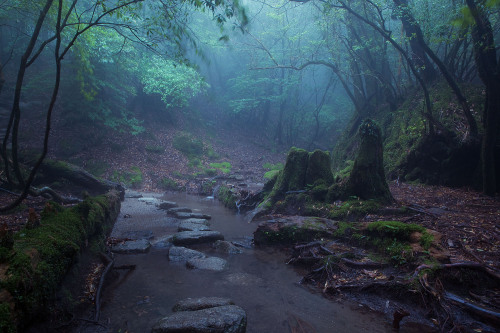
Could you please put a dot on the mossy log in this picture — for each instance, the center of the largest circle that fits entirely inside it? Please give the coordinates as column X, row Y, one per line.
column 31, row 272
column 367, row 178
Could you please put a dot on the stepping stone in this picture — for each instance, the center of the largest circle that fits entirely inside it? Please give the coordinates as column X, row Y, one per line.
column 175, row 210
column 210, row 263
column 130, row 247
column 167, row 205
column 196, row 237
column 226, row 247
column 220, row 319
column 197, row 221
column 163, row 242
column 178, row 253
column 187, row 226
column 139, row 234
column 185, row 215
column 150, row 201
column 194, row 304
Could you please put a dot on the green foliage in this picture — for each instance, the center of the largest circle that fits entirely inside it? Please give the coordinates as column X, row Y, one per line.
column 168, row 184
column 175, row 83
column 188, row 145
column 132, row 177
column 97, row 167
column 154, row 149
column 274, row 169
column 224, row 167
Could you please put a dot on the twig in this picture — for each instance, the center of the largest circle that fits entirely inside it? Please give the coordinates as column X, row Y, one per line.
column 101, row 283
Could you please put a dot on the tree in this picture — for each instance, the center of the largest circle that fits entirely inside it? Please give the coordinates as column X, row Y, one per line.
column 65, row 22
column 488, row 67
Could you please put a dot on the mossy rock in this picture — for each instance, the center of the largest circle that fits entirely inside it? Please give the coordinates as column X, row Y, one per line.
column 41, row 256
column 227, row 196
column 293, row 229
column 319, row 168
column 293, row 175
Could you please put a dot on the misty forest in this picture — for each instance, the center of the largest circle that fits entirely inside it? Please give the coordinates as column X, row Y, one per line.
column 301, row 166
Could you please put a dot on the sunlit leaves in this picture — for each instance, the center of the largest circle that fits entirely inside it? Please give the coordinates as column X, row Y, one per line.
column 175, row 83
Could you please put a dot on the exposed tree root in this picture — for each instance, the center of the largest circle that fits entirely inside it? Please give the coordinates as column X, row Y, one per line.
column 110, row 262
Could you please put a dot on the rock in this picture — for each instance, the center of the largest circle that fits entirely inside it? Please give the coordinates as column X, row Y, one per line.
column 187, row 226
column 167, row 205
column 184, row 215
column 293, row 229
column 177, row 253
column 210, row 263
column 129, row 247
column 220, row 319
column 175, row 210
column 226, row 247
column 194, row 304
column 198, row 221
column 162, row 243
column 133, row 195
column 196, row 237
column 150, row 201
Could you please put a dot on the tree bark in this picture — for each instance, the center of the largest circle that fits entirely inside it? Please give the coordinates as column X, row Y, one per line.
column 488, row 69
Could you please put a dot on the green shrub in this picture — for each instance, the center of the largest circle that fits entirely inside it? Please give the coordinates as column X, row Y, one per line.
column 132, row 178
column 188, row 145
column 224, row 167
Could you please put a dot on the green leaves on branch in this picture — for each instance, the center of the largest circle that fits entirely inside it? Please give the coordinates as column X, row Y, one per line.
column 175, row 83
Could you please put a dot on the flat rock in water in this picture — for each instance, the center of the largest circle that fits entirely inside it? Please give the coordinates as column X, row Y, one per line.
column 133, row 195
column 179, row 254
column 167, row 205
column 210, row 263
column 194, row 304
column 220, row 319
column 150, row 201
column 184, row 215
column 188, row 226
column 197, row 221
column 163, row 242
column 139, row 234
column 226, row 247
column 130, row 247
column 196, row 237
column 175, row 210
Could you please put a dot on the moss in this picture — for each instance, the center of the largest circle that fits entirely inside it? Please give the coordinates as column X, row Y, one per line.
column 166, row 183
column 42, row 256
column 224, row 167
column 132, row 177
column 227, row 197
column 188, row 145
column 6, row 320
column 353, row 209
column 319, row 168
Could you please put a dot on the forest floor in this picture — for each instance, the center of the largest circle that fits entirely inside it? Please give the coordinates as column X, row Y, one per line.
column 468, row 221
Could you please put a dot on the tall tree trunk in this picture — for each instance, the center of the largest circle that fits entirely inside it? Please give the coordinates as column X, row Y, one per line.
column 412, row 29
column 418, row 38
column 488, row 69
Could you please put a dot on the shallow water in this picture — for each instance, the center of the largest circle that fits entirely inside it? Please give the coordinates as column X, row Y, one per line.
column 258, row 280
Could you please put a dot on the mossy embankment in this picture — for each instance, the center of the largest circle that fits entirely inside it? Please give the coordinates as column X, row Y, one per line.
column 42, row 253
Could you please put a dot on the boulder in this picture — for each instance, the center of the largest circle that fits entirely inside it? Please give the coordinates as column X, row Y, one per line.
column 210, row 263
column 188, row 226
column 166, row 205
column 220, row 319
column 294, row 229
column 180, row 254
column 130, row 247
column 196, row 237
column 194, row 304
column 226, row 247
column 150, row 201
column 185, row 215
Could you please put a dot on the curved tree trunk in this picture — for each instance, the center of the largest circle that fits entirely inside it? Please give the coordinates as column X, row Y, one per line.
column 488, row 69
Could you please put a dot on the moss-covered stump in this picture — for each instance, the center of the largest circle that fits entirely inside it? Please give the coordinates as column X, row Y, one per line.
column 303, row 169
column 367, row 178
column 227, row 196
column 293, row 229
column 33, row 269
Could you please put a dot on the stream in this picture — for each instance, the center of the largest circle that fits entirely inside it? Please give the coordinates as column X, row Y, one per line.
column 258, row 280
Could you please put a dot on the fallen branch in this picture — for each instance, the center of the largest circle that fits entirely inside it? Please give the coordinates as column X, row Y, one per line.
column 110, row 263
column 479, row 311
column 471, row 265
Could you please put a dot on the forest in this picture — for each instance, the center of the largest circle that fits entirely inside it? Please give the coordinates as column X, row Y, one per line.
column 277, row 162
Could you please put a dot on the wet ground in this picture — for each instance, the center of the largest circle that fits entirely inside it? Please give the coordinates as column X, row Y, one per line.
column 258, row 280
